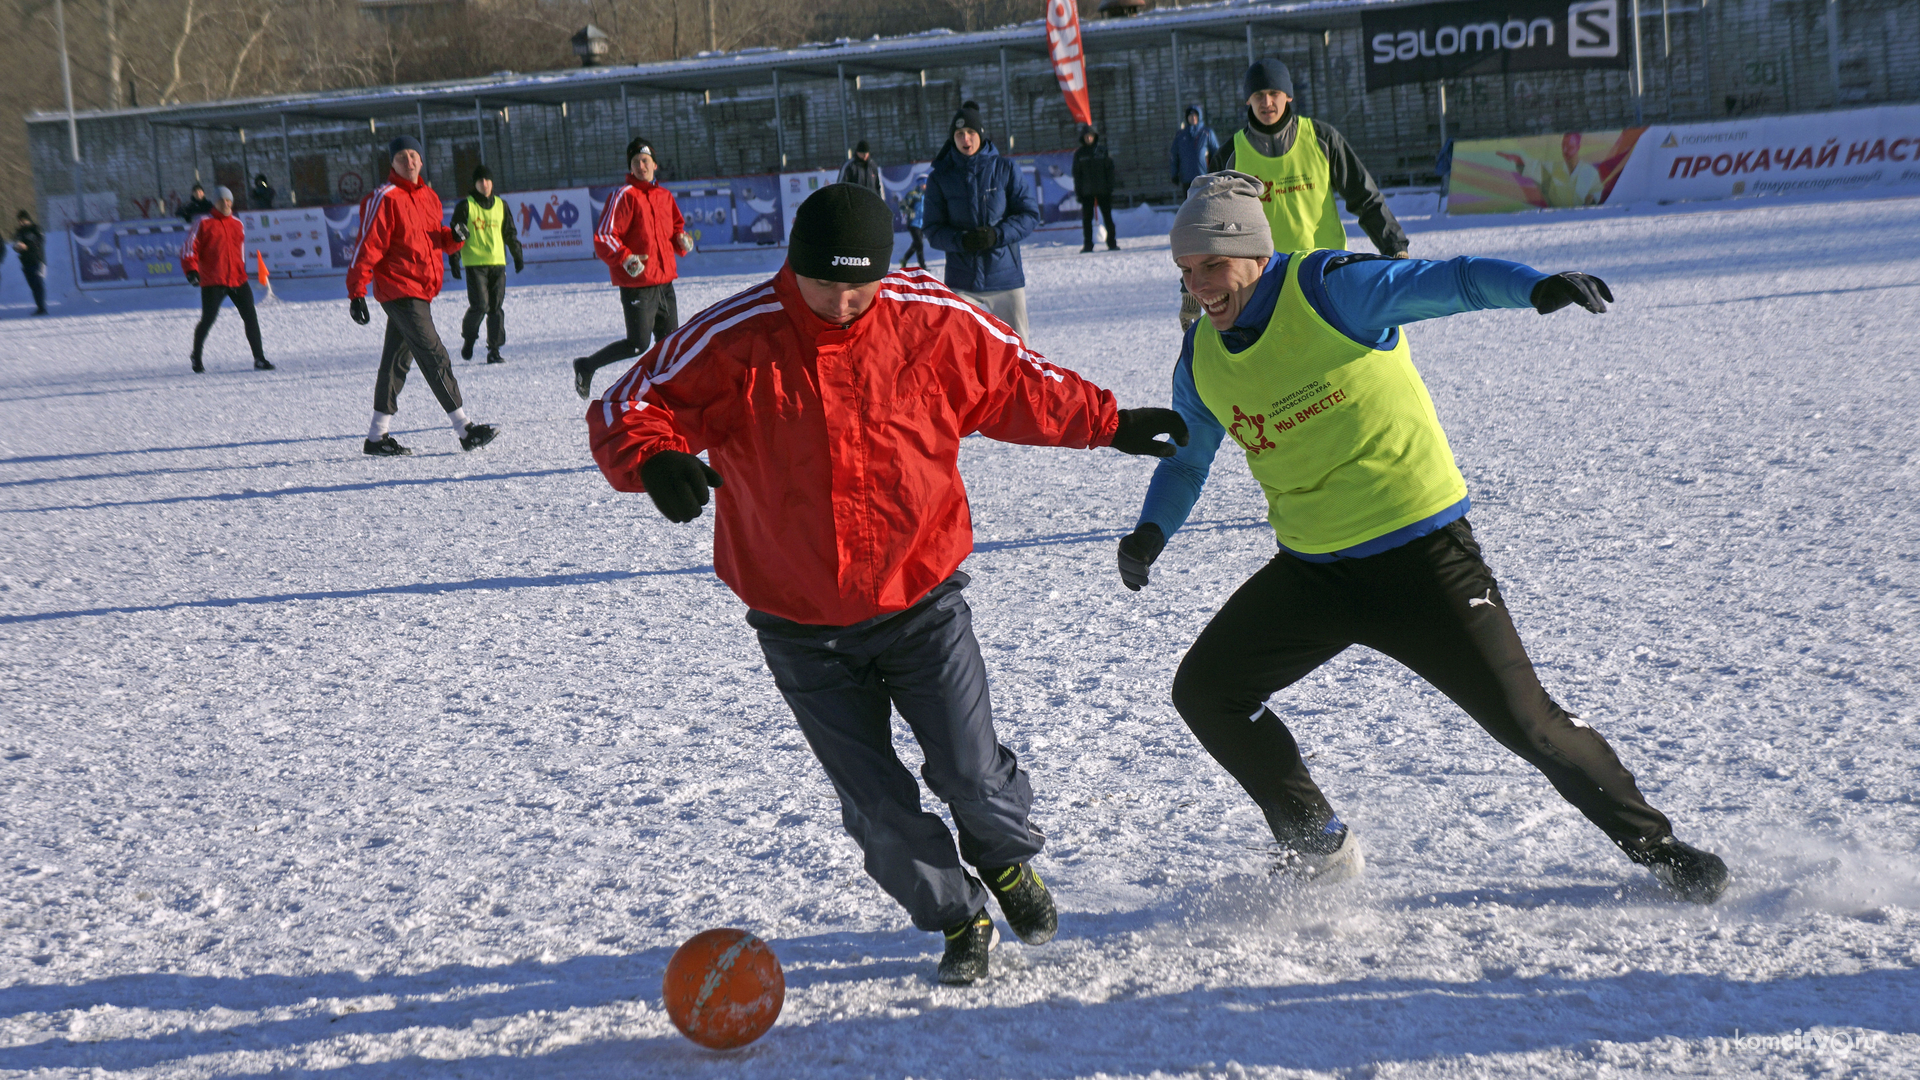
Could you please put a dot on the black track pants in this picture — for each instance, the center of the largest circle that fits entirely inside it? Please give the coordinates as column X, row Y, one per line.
column 650, row 313
column 36, row 275
column 1432, row 605
column 211, row 297
column 1105, row 202
column 486, row 291
column 843, row 684
column 410, row 335
column 917, row 249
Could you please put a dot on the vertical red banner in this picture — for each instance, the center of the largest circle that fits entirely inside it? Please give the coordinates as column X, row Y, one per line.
column 1069, row 60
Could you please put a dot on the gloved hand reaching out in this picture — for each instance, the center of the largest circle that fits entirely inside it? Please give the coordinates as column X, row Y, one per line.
column 1137, row 429
column 678, row 483
column 1572, row 287
column 1138, row 549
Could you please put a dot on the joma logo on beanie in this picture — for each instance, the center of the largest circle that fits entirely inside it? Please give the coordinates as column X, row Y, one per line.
column 852, row 260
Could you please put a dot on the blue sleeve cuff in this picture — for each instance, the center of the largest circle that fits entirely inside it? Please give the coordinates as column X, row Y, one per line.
column 1178, row 480
column 1369, row 297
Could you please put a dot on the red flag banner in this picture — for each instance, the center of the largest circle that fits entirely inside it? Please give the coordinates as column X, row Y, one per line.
column 1069, row 61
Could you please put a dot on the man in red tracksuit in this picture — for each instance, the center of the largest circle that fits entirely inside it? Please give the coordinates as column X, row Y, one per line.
column 215, row 260
column 400, row 249
column 832, row 400
column 639, row 234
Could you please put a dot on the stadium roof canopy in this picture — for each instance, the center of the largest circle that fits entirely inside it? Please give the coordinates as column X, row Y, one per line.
column 910, row 54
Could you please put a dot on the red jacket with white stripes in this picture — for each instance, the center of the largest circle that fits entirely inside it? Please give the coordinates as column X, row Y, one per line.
column 839, row 446
column 216, row 250
column 640, row 219
column 401, row 240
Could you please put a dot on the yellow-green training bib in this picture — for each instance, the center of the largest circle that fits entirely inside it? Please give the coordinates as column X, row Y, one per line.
column 1343, row 438
column 1297, row 194
column 483, row 247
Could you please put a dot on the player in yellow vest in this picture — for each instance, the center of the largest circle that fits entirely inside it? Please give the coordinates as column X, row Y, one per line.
column 483, row 260
column 1301, row 358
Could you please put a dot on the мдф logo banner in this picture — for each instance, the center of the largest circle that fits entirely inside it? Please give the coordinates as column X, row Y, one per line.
column 1487, row 37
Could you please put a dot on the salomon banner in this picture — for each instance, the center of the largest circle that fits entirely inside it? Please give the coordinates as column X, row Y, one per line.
column 1069, row 59
column 1447, row 41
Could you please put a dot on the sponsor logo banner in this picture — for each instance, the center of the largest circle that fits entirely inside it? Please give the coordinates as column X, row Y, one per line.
column 556, row 223
column 1488, row 37
column 1538, row 172
column 294, row 242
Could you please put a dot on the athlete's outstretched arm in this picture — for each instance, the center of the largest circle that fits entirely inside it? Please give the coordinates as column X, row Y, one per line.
column 1367, row 295
column 1177, row 480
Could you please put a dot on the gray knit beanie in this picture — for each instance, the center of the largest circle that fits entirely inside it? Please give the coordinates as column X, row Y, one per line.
column 1222, row 216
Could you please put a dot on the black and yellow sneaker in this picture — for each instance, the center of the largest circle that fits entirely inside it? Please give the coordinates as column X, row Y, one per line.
column 1025, row 901
column 1692, row 874
column 968, row 944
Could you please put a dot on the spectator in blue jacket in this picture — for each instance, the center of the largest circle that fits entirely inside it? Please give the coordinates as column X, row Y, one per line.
column 1194, row 149
column 914, row 205
column 979, row 207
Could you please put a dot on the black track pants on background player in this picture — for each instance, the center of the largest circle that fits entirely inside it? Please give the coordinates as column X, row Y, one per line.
column 211, row 297
column 1432, row 605
column 411, row 335
column 486, row 291
column 843, row 684
column 651, row 313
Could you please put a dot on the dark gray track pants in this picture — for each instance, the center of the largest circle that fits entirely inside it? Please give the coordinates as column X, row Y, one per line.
column 843, row 683
column 211, row 297
column 410, row 334
column 486, row 291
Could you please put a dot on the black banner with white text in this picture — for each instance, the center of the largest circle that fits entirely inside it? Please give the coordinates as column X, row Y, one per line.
column 1487, row 37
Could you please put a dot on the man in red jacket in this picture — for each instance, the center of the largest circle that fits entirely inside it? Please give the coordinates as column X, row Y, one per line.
column 401, row 243
column 215, row 260
column 833, row 399
column 639, row 234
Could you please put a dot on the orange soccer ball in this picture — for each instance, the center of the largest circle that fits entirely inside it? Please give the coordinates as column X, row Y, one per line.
column 723, row 989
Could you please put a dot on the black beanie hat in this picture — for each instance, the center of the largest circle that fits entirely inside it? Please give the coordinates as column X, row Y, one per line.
column 843, row 232
column 480, row 172
column 1267, row 73
column 967, row 117
column 637, row 147
column 861, row 147
column 404, row 142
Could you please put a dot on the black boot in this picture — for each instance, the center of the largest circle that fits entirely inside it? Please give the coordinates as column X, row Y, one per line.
column 582, row 378
column 968, row 944
column 477, row 436
column 1025, row 902
column 494, row 357
column 466, row 349
column 260, row 364
column 197, row 365
column 386, row 447
column 1692, row 874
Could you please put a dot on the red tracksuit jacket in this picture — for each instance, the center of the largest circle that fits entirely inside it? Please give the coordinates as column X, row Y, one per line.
column 401, row 241
column 640, row 219
column 217, row 251
column 839, row 447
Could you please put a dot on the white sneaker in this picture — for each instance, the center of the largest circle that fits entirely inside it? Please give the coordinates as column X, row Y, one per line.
column 1343, row 863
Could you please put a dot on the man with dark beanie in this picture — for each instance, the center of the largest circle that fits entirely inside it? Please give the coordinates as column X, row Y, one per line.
column 1303, row 361
column 483, row 258
column 979, row 207
column 215, row 261
column 831, row 401
column 861, row 169
column 1303, row 163
column 399, row 251
column 640, row 233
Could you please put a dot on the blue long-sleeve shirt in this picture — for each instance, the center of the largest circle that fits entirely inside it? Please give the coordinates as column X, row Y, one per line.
column 1367, row 298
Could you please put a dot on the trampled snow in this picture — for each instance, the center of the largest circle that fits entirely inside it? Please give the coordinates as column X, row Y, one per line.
column 320, row 764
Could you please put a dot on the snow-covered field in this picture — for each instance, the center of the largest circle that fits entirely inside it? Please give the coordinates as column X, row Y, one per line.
column 315, row 763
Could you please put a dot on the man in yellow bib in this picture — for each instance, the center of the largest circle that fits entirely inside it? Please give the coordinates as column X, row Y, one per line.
column 1302, row 360
column 490, row 239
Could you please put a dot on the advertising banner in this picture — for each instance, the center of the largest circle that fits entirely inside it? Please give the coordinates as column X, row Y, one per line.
column 294, row 242
column 128, row 254
column 794, row 189
column 1487, row 37
column 554, row 224
column 1069, row 61
column 1052, row 175
column 1538, row 172
column 1858, row 150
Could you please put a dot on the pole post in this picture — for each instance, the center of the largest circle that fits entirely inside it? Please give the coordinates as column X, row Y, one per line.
column 1443, row 114
column 1639, row 74
column 1006, row 97
column 1833, row 46
column 779, row 125
column 1178, row 101
column 286, row 158
column 480, row 130
column 159, row 185
column 566, row 140
column 840, row 78
column 66, row 84
column 626, row 113
column 1250, row 56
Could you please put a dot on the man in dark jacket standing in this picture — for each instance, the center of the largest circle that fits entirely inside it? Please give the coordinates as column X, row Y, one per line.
column 401, row 245
column 862, row 170
column 490, row 239
column 1093, row 184
column 1193, row 150
column 215, row 261
column 196, row 207
column 1303, row 163
column 31, row 245
column 979, row 207
column 260, row 195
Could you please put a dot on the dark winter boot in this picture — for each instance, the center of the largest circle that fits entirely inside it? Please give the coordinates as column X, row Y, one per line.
column 260, row 364
column 1113, row 245
column 1025, row 902
column 1087, row 248
column 477, row 436
column 466, row 349
column 494, row 357
column 968, row 944
column 1692, row 874
column 386, row 447
column 1331, row 855
column 582, row 378
column 197, row 365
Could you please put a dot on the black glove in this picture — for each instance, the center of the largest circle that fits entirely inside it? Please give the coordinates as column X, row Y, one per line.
column 459, row 230
column 1137, row 429
column 984, row 238
column 193, row 278
column 678, row 483
column 453, row 267
column 357, row 307
column 1138, row 549
column 1572, row 287
column 518, row 265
